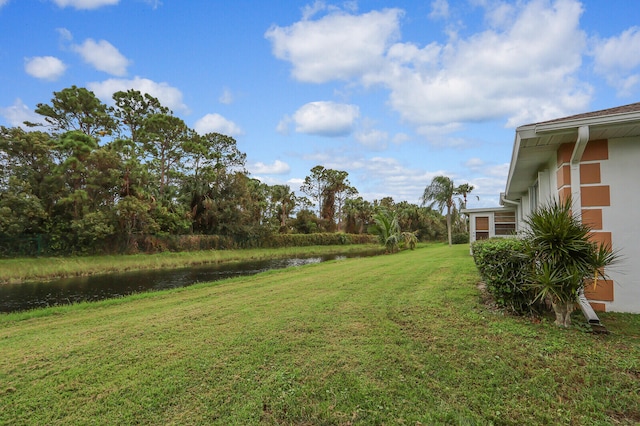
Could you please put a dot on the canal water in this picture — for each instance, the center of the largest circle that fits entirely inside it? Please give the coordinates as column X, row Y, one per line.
column 32, row 295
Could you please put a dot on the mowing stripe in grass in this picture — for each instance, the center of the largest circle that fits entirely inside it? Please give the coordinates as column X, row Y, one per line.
column 398, row 339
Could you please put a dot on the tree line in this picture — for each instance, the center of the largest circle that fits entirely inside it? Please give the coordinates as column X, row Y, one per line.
column 98, row 176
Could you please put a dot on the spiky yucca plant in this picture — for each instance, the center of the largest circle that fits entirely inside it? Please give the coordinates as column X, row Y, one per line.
column 563, row 257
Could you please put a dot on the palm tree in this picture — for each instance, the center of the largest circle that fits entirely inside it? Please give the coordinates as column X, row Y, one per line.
column 387, row 228
column 441, row 193
column 410, row 239
column 464, row 190
column 284, row 201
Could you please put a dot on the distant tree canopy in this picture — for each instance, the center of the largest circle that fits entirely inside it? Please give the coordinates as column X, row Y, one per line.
column 99, row 176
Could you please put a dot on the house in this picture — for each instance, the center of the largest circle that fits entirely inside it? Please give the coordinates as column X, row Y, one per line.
column 595, row 159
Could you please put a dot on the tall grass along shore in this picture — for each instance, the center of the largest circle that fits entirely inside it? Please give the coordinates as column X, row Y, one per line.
column 46, row 268
column 396, row 339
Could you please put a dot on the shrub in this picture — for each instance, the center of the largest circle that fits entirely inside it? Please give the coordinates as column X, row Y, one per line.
column 504, row 267
column 460, row 239
column 177, row 243
column 318, row 239
column 410, row 240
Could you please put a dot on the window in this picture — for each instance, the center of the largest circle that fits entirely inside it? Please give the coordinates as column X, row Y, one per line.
column 482, row 227
column 505, row 223
column 482, row 223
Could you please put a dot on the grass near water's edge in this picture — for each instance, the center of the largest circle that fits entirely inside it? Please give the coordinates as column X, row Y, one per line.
column 46, row 268
column 396, row 339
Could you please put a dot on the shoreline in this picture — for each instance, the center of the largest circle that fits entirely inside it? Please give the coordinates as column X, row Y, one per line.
column 20, row 270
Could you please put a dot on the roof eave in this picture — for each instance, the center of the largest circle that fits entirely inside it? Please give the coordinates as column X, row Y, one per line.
column 531, row 131
column 514, row 159
column 569, row 125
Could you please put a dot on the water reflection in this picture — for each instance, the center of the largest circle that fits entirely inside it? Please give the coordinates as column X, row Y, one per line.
column 25, row 296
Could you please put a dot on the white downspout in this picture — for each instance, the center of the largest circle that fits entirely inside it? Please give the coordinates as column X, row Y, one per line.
column 576, row 156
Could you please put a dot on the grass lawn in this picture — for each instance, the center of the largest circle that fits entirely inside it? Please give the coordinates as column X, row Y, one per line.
column 400, row 339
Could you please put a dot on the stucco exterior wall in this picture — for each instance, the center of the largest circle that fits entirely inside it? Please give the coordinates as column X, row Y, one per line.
column 621, row 172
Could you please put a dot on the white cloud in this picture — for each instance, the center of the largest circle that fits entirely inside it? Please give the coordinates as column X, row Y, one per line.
column 277, row 168
column 618, row 60
column 226, row 97
column 410, row 54
column 326, row 118
column 167, row 95
column 16, row 114
column 218, row 124
column 45, row 67
column 490, row 180
column 154, row 3
column 295, row 183
column 439, row 9
column 310, row 10
column 103, row 56
column 499, row 14
column 373, row 138
column 283, row 125
column 407, row 183
column 474, row 163
column 522, row 73
column 487, row 189
column 499, row 170
column 65, row 34
column 336, row 46
column 399, row 181
column 85, row 4
column 3, row 2
column 395, row 178
column 400, row 138
column 514, row 69
column 477, row 165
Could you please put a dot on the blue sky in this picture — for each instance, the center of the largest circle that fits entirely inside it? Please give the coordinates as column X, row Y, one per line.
column 393, row 92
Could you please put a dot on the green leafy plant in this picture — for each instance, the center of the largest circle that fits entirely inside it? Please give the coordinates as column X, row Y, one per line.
column 563, row 257
column 460, row 238
column 387, row 229
column 410, row 240
column 504, row 268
